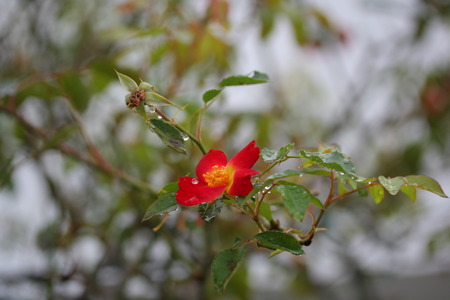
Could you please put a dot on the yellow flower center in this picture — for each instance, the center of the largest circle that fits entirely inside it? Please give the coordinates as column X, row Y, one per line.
column 217, row 177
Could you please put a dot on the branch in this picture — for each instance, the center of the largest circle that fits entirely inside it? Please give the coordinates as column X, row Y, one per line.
column 96, row 160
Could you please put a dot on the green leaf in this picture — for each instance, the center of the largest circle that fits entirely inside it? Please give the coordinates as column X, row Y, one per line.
column 265, row 211
column 317, row 202
column 253, row 78
column 278, row 240
column 168, row 189
column 317, row 172
column 211, row 94
column 409, row 191
column 285, row 173
column 165, row 204
column 152, row 98
column 127, row 82
column 271, row 156
column 75, row 89
column 296, row 198
column 40, row 89
column 209, row 211
column 425, row 183
column 377, row 193
column 169, row 135
column 146, row 86
column 224, row 266
column 392, row 185
column 140, row 110
column 334, row 160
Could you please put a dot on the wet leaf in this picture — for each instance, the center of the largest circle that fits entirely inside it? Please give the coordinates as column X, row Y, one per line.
column 162, row 205
column 209, row 211
column 271, row 156
column 169, row 135
column 334, row 160
column 392, row 185
column 224, row 266
column 278, row 240
column 296, row 198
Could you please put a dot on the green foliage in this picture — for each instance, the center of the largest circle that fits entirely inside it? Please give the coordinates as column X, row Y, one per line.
column 127, row 82
column 296, row 198
column 169, row 135
column 276, row 240
column 165, row 204
column 209, row 211
column 425, row 183
column 333, row 160
column 377, row 193
column 224, row 266
column 211, row 94
column 394, row 185
column 271, row 156
column 58, row 115
column 253, row 78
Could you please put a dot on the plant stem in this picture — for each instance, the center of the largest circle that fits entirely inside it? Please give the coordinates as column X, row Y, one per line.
column 352, row 191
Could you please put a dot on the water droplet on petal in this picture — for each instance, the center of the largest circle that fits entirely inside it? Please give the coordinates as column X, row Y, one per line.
column 194, row 181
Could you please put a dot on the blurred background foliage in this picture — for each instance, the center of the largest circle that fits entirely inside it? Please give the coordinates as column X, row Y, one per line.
column 78, row 170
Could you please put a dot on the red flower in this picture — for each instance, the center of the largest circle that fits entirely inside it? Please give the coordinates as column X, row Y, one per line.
column 217, row 175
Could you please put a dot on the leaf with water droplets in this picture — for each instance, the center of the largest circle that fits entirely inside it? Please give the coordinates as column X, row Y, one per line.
column 224, row 266
column 271, row 156
column 165, row 204
column 296, row 198
column 209, row 211
column 169, row 135
column 279, row 240
column 392, row 185
column 334, row 160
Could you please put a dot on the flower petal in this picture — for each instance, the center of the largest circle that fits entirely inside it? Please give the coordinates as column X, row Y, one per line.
column 242, row 184
column 210, row 159
column 193, row 191
column 246, row 158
